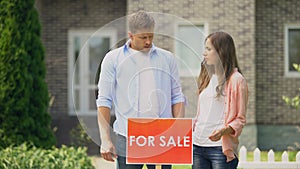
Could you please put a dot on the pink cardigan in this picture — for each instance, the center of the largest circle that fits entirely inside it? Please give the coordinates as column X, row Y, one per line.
column 235, row 112
column 236, row 100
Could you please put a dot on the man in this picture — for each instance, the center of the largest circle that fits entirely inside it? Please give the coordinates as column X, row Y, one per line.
column 140, row 80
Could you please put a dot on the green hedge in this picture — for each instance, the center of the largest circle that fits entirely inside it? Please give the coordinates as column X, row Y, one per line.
column 30, row 157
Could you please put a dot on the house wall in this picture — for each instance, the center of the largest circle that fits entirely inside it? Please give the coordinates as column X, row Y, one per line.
column 277, row 123
column 256, row 26
column 235, row 17
column 57, row 18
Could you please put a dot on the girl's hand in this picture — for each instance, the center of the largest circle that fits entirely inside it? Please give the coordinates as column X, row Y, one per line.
column 216, row 135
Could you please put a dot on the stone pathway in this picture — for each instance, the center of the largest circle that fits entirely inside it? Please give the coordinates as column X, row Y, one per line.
column 100, row 163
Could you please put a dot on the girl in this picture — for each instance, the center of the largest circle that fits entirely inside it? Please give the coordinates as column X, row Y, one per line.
column 222, row 104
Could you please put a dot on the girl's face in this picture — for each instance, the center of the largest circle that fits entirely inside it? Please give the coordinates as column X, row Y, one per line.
column 210, row 54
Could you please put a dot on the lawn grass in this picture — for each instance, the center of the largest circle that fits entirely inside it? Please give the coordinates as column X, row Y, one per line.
column 176, row 167
column 278, row 154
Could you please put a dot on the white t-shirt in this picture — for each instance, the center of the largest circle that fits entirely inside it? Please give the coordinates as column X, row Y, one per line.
column 148, row 102
column 211, row 115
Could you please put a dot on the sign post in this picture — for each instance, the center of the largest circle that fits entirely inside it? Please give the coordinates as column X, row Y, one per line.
column 159, row 141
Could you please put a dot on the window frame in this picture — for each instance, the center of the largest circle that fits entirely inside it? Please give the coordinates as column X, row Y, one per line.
column 193, row 72
column 287, row 73
column 85, row 35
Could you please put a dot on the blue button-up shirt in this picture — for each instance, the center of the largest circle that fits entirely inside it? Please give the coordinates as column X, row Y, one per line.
column 119, row 84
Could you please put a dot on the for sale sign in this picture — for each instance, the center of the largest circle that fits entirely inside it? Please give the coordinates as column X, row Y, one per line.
column 159, row 141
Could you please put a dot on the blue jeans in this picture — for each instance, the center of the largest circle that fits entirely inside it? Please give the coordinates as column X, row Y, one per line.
column 121, row 161
column 211, row 158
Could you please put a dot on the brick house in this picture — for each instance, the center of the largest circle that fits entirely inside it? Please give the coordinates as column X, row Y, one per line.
column 266, row 34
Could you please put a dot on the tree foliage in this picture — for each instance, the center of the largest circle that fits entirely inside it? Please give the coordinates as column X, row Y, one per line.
column 293, row 101
column 24, row 98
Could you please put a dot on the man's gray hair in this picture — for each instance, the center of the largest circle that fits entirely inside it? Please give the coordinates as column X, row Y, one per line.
column 139, row 21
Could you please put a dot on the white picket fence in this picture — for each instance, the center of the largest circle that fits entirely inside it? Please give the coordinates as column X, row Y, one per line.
column 270, row 164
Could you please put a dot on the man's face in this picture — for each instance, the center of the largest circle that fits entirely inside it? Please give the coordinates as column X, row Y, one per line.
column 141, row 40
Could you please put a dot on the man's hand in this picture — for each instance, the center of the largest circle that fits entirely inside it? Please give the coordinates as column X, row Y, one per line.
column 108, row 151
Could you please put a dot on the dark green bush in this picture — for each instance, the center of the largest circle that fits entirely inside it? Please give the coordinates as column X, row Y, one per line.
column 30, row 157
column 24, row 98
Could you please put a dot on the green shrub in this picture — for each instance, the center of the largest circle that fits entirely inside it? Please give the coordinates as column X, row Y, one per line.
column 24, row 98
column 79, row 137
column 30, row 157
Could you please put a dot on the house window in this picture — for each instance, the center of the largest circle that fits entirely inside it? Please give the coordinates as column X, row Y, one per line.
column 189, row 45
column 86, row 51
column 292, row 49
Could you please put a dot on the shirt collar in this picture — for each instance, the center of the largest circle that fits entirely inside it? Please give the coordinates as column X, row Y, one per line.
column 126, row 47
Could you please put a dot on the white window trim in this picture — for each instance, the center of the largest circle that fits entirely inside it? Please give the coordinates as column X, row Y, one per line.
column 189, row 73
column 287, row 73
column 112, row 33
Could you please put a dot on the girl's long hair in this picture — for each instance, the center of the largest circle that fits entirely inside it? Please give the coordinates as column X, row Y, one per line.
column 224, row 46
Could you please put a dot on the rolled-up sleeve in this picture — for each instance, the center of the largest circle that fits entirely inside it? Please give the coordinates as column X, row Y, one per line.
column 240, row 98
column 106, row 82
column 176, row 90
